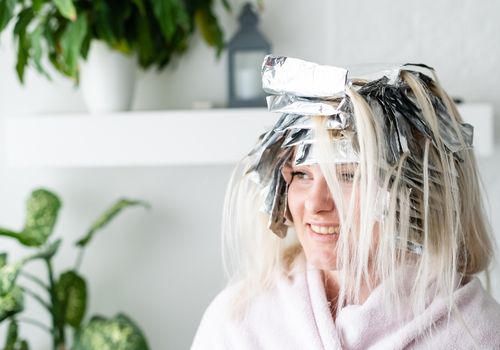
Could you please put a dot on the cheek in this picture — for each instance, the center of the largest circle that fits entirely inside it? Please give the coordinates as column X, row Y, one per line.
column 347, row 196
column 295, row 205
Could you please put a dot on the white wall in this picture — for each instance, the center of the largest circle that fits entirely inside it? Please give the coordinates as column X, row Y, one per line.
column 162, row 267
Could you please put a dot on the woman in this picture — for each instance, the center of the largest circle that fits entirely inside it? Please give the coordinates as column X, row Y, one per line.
column 356, row 222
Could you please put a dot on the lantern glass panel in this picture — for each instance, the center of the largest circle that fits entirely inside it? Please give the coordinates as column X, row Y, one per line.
column 247, row 70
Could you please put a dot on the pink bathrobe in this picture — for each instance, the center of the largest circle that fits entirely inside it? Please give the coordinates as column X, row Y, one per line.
column 295, row 315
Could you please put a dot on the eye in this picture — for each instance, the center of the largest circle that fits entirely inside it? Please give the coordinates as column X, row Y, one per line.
column 346, row 177
column 300, row 175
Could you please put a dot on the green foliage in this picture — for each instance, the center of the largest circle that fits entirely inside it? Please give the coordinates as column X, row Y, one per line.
column 6, row 12
column 67, row 293
column 12, row 342
column 8, row 276
column 46, row 253
column 207, row 22
column 11, row 339
column 66, row 9
column 71, row 293
column 106, row 217
column 42, row 208
column 11, row 303
column 97, row 335
column 63, row 30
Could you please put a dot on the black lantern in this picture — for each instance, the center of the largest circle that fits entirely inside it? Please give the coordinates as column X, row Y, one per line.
column 246, row 52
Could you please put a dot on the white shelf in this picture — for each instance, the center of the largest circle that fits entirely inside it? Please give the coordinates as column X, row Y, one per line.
column 134, row 139
column 218, row 136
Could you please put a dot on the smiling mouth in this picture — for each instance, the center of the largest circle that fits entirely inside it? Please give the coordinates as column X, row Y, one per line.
column 325, row 230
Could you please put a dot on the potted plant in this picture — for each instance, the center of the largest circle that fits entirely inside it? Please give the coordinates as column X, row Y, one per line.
column 65, row 30
column 64, row 296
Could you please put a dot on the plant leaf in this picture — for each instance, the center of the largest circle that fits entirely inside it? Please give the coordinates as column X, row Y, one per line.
column 36, row 46
column 209, row 27
column 46, row 253
column 11, row 338
column 6, row 12
column 3, row 259
column 145, row 46
column 23, row 345
column 42, row 209
column 140, row 6
column 11, row 303
column 117, row 333
column 8, row 276
column 107, row 216
column 22, row 56
column 71, row 44
column 24, row 18
column 37, row 5
column 66, row 8
column 9, row 272
column 170, row 14
column 71, row 293
column 226, row 5
column 102, row 24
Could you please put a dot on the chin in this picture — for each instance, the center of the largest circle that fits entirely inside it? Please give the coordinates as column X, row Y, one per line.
column 322, row 260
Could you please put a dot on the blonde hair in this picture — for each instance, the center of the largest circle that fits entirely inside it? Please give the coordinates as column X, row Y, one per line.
column 441, row 211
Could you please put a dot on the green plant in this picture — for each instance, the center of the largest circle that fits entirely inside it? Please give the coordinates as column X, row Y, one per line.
column 66, row 295
column 63, row 30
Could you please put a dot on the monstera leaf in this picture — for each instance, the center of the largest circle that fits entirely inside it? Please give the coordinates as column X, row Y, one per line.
column 71, row 293
column 106, row 217
column 119, row 333
column 42, row 209
column 11, row 303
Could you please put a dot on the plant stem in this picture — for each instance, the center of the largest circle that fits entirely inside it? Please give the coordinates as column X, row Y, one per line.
column 37, row 298
column 57, row 325
column 36, row 323
column 35, row 279
column 9, row 233
column 79, row 259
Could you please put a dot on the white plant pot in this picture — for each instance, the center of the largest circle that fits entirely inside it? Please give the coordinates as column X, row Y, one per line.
column 107, row 79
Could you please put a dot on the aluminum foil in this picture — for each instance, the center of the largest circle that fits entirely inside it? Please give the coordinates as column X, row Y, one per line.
column 302, row 90
column 301, row 105
column 286, row 75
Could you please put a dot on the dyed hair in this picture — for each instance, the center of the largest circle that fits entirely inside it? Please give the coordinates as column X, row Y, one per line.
column 439, row 209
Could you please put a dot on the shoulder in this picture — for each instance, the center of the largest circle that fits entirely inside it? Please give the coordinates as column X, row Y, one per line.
column 238, row 319
column 480, row 311
column 474, row 323
column 215, row 320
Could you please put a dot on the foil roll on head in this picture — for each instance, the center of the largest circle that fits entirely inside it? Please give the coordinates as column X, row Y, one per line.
column 304, row 90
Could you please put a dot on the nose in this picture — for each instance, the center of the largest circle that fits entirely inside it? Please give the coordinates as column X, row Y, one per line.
column 319, row 198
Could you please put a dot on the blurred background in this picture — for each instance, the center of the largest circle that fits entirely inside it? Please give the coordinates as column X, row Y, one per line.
column 162, row 266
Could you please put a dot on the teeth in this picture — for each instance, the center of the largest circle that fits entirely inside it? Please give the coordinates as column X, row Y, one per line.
column 325, row 230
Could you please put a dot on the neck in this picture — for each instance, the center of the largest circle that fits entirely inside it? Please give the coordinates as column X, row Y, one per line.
column 331, row 283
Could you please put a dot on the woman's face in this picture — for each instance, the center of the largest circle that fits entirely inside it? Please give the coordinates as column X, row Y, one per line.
column 313, row 210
